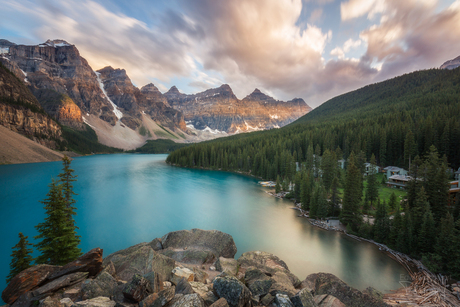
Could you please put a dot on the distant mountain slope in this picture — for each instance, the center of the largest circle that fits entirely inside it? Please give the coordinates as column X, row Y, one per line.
column 16, row 148
column 393, row 120
column 451, row 64
column 220, row 111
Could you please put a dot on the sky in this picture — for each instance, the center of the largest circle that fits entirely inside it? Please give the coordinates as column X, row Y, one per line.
column 311, row 49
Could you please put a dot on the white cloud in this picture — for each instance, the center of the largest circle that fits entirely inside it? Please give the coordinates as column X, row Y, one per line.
column 357, row 8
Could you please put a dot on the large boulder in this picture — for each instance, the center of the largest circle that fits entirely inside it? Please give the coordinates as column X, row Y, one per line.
column 258, row 282
column 267, row 263
column 137, row 289
column 303, row 299
column 90, row 262
column 198, row 246
column 50, row 302
column 140, row 259
column 324, row 283
column 103, row 285
column 156, row 282
column 27, row 280
column 233, row 290
column 184, row 287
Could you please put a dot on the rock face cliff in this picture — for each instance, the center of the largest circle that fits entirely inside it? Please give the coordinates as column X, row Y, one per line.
column 220, row 110
column 21, row 112
column 134, row 102
column 183, row 268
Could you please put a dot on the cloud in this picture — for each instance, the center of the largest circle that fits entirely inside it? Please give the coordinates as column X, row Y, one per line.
column 204, row 43
column 413, row 35
column 357, row 8
column 316, row 15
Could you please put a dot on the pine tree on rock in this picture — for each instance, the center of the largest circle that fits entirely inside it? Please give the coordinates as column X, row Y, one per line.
column 21, row 257
column 59, row 240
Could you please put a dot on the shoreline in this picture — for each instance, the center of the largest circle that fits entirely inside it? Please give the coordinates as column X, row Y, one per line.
column 425, row 287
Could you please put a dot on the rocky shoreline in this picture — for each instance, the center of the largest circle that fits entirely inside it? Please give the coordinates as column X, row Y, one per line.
column 183, row 268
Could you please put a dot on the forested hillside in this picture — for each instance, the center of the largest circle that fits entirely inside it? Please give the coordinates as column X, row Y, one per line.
column 414, row 117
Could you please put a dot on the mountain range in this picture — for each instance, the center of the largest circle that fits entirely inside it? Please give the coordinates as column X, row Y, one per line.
column 124, row 116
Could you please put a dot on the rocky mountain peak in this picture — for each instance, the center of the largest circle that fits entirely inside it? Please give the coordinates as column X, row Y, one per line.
column 256, row 91
column 257, row 95
column 149, row 88
column 56, row 43
column 451, row 64
column 173, row 90
column 6, row 43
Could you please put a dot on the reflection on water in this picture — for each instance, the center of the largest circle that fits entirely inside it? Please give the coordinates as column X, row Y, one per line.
column 126, row 199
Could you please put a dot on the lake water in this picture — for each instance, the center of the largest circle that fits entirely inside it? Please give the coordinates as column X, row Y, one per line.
column 127, row 199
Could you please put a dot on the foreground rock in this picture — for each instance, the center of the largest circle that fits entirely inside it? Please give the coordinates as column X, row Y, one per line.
column 198, row 246
column 135, row 277
column 234, row 291
column 324, row 283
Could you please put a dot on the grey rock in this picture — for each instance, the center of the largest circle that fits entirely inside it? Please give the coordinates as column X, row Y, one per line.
column 258, row 282
column 267, row 299
column 200, row 275
column 199, row 288
column 96, row 302
column 191, row 256
column 66, row 302
column 179, row 273
column 234, row 291
column 61, row 282
column 282, row 300
column 303, row 299
column 50, row 302
column 199, row 244
column 158, row 299
column 184, row 287
column 209, row 298
column 156, row 245
column 103, row 285
column 267, row 263
column 155, row 280
column 137, row 289
column 325, row 283
column 282, row 284
column 228, row 265
column 90, row 262
column 110, row 268
column 326, row 300
column 140, row 259
column 189, row 300
column 222, row 302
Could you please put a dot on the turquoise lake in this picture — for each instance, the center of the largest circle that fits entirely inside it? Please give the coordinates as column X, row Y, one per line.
column 127, row 199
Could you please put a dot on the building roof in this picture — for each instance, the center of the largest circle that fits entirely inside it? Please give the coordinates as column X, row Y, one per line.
column 393, row 168
column 400, row 178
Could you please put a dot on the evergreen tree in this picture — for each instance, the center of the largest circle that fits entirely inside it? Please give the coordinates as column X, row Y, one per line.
column 410, row 148
column 372, row 189
column 21, row 257
column 66, row 178
column 352, row 195
column 335, row 209
column 277, row 185
column 305, row 192
column 427, row 233
column 59, row 240
column 393, row 202
column 381, row 223
column 448, row 245
column 396, row 228
column 436, row 183
column 297, row 185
